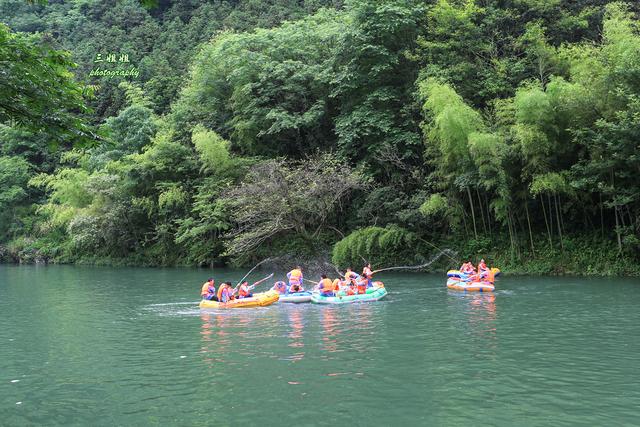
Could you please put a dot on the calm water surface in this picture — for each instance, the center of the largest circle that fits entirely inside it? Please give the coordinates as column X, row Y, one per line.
column 116, row 346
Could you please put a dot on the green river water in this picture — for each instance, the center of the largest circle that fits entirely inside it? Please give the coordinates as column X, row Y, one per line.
column 125, row 346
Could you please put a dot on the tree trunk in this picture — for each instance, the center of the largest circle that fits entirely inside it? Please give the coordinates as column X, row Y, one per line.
column 546, row 223
column 515, row 234
column 486, row 201
column 558, row 221
column 526, row 209
column 484, row 224
column 473, row 214
column 615, row 213
column 601, row 217
column 561, row 216
column 550, row 213
column 510, row 235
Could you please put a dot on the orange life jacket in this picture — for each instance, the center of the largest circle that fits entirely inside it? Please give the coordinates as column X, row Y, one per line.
column 336, row 284
column 366, row 272
column 294, row 276
column 351, row 275
column 326, row 285
column 207, row 289
column 220, row 289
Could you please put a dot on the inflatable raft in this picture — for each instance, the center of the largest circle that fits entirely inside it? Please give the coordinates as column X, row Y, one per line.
column 296, row 297
column 469, row 286
column 258, row 300
column 461, row 275
column 373, row 294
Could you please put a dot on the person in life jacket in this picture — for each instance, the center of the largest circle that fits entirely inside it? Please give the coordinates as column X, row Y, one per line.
column 361, row 285
column 350, row 275
column 468, row 268
column 368, row 275
column 338, row 284
column 208, row 291
column 245, row 290
column 350, row 280
column 482, row 266
column 225, row 292
column 351, row 289
column 280, row 287
column 326, row 287
column 295, row 280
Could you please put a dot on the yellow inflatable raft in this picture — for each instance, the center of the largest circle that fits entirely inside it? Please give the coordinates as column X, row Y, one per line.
column 258, row 300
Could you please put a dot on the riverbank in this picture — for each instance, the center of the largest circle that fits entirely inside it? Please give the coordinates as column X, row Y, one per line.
column 577, row 256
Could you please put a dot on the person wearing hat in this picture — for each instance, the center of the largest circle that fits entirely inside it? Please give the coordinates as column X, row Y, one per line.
column 280, row 287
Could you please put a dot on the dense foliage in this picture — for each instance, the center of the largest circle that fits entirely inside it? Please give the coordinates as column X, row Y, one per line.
column 374, row 130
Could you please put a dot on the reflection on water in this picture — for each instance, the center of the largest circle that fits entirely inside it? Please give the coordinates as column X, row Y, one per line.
column 295, row 318
column 330, row 331
column 480, row 312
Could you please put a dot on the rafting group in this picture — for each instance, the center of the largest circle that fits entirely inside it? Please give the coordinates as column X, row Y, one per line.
column 470, row 279
column 349, row 288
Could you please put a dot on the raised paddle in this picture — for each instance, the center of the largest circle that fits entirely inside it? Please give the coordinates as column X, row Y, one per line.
column 416, row 267
column 250, row 271
column 260, row 281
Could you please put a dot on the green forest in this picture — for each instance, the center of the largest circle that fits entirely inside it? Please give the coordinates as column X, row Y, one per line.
column 221, row 132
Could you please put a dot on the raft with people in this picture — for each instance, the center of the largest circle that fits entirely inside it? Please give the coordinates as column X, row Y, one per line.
column 262, row 299
column 293, row 292
column 373, row 293
column 353, row 287
column 467, row 279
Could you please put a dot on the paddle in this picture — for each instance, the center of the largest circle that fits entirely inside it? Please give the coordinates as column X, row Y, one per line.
column 337, row 271
column 260, row 281
column 415, row 267
column 250, row 271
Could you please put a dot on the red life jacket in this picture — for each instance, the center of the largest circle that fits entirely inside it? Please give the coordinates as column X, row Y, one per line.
column 244, row 291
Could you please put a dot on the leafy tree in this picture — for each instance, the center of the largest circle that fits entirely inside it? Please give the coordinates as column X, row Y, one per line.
column 265, row 91
column 373, row 82
column 37, row 90
column 14, row 174
column 277, row 200
column 388, row 246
